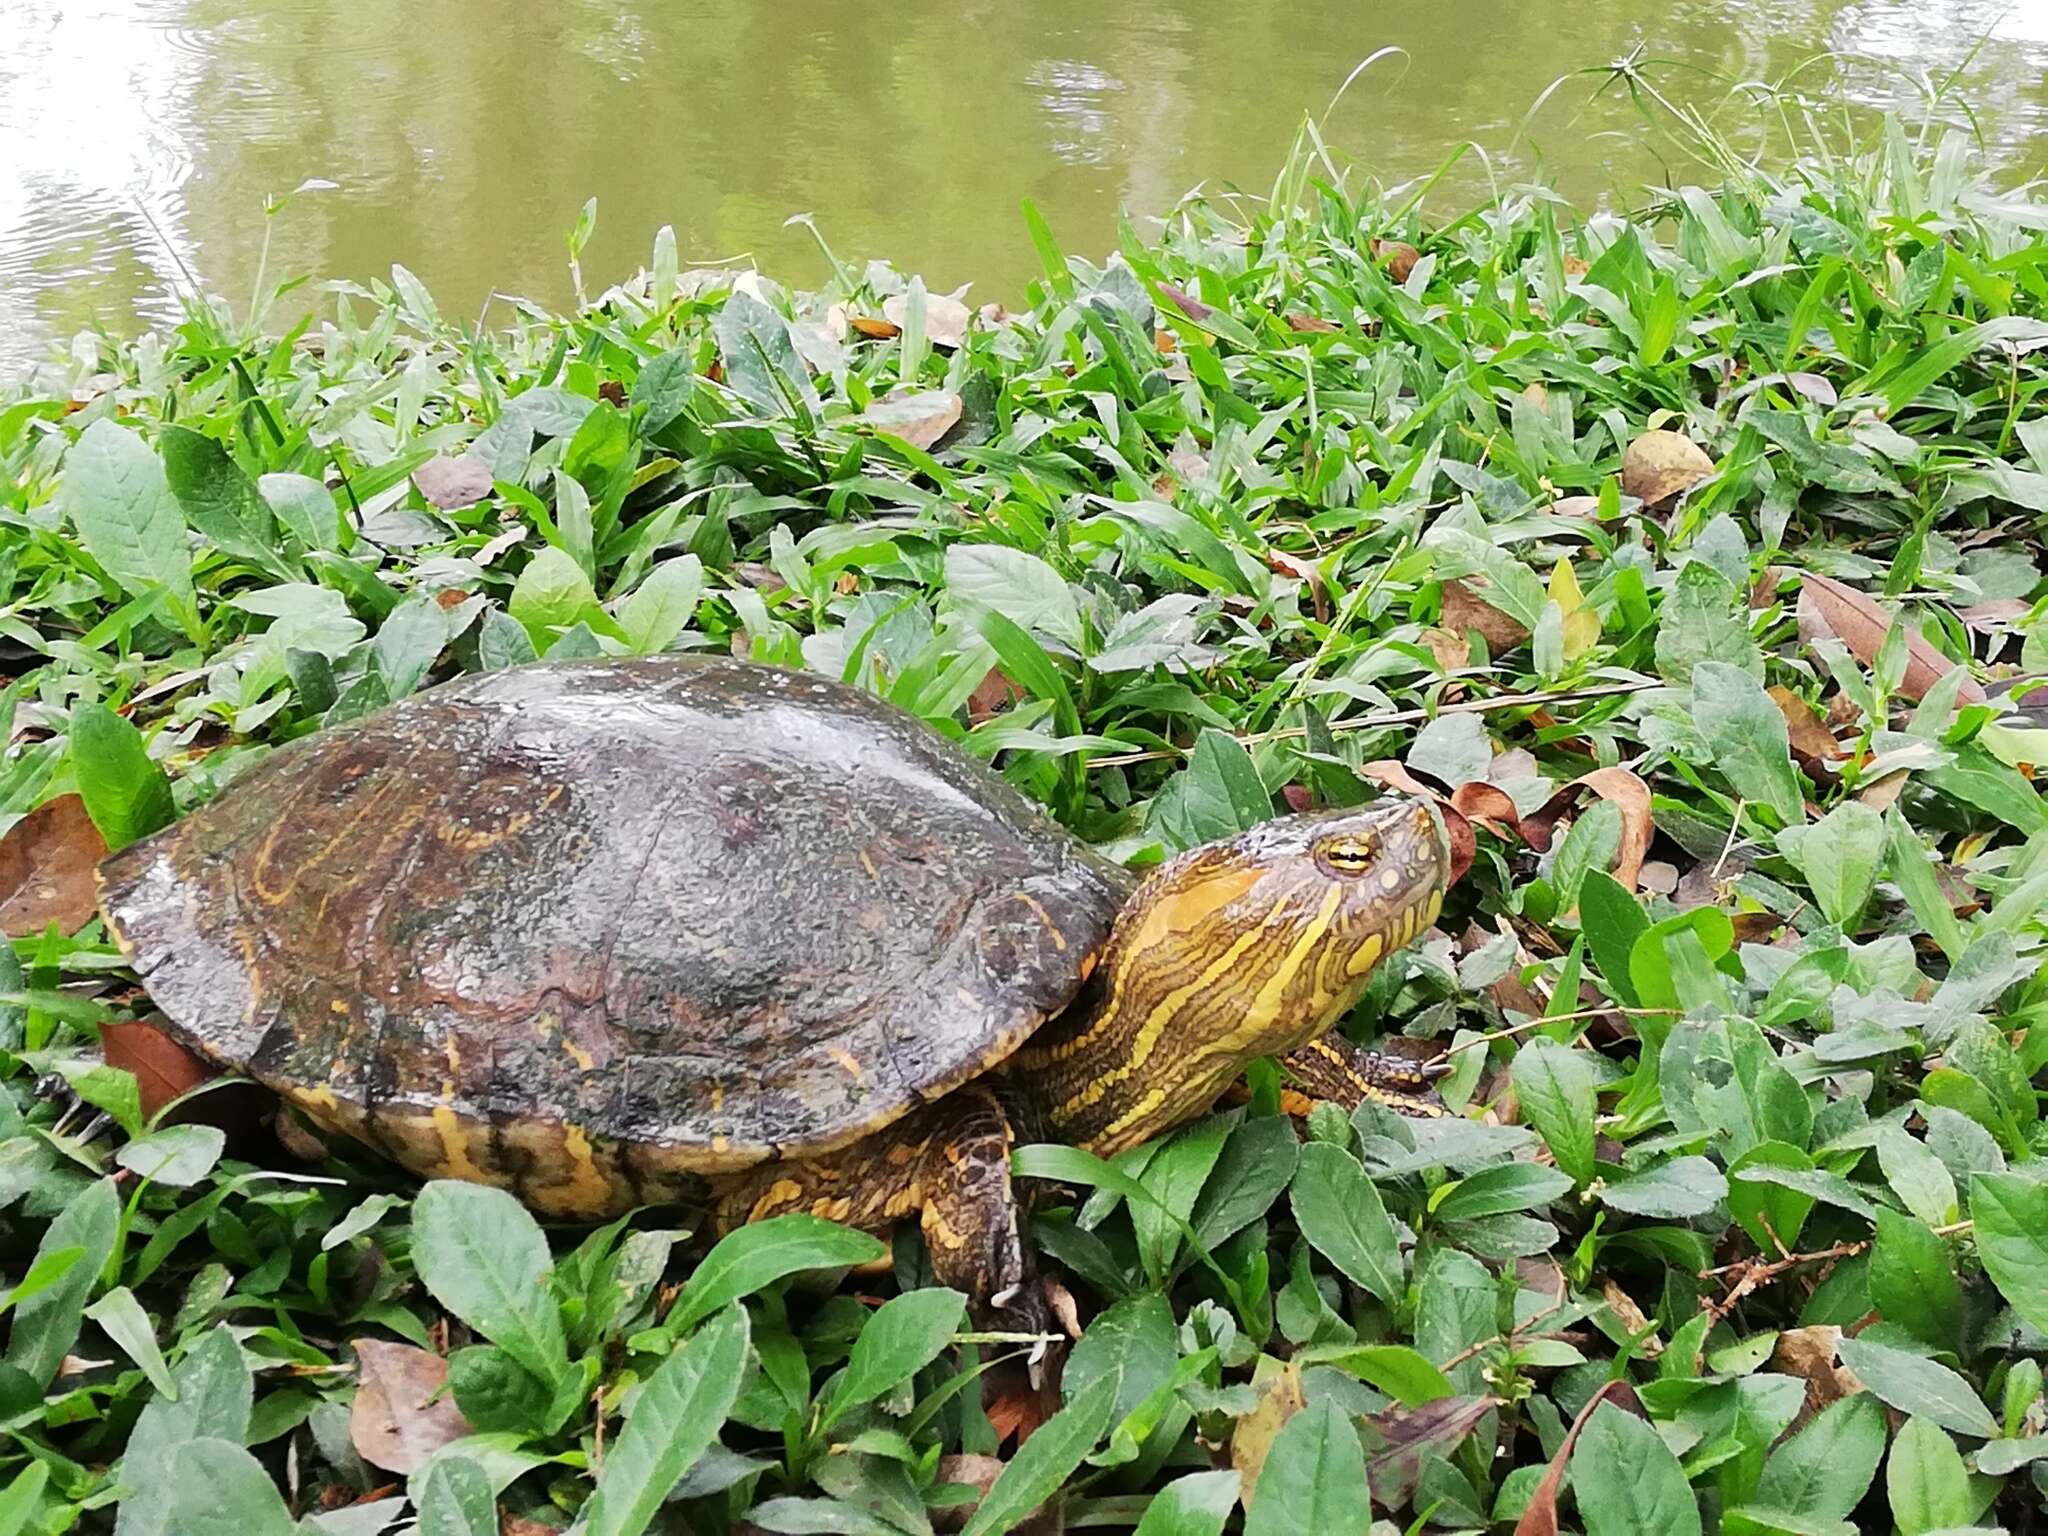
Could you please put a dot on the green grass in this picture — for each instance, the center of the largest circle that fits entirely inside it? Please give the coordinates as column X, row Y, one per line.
column 1242, row 521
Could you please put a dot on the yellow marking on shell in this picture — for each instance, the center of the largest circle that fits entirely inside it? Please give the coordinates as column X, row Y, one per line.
column 579, row 1055
column 720, row 1144
column 1059, row 940
column 315, row 1098
column 847, row 1062
column 832, row 1210
column 1172, row 914
column 903, row 1152
column 967, row 997
column 868, row 864
column 903, row 1202
column 456, row 1162
column 338, row 1005
column 586, row 1190
column 453, row 1052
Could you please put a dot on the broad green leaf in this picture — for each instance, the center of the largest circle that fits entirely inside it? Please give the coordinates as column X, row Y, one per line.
column 1396, row 1370
column 116, row 496
column 1197, row 1504
column 1823, row 1471
column 675, row 1416
column 1913, row 1283
column 218, row 1489
column 483, row 1257
column 127, row 794
column 304, row 506
column 1917, row 1177
column 904, row 1336
column 1016, row 584
column 1677, row 1189
column 755, row 1256
column 222, row 502
column 2011, row 1215
column 761, row 362
column 1771, row 1213
column 1130, row 1342
column 214, row 1396
column 1840, row 855
column 1174, row 1175
column 47, row 1323
column 456, row 1499
column 1255, row 1166
column 1612, row 920
column 1045, row 1461
column 121, row 1318
column 551, row 595
column 1704, row 619
column 1218, row 795
column 1340, row 1212
column 1313, row 1481
column 1916, row 1385
column 1626, row 1480
column 1926, row 1480
column 663, row 605
column 1746, row 734
column 1558, row 1093
column 1509, row 1187
column 178, row 1155
column 23, row 1496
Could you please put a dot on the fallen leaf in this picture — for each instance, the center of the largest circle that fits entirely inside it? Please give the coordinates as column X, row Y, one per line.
column 1990, row 617
column 1540, row 1517
column 163, row 1068
column 1280, row 1399
column 1305, row 571
column 1629, row 795
column 1464, row 609
column 1452, row 651
column 1812, row 742
column 396, row 1423
column 1313, row 325
column 1586, row 507
column 452, row 484
column 1809, row 1354
column 1016, row 1409
column 1488, row 804
column 992, row 695
column 1398, row 1438
column 1859, row 621
column 614, row 391
column 1660, row 465
column 919, row 419
column 978, row 1472
column 1630, row 1316
column 945, row 319
column 873, row 329
column 1658, row 876
column 46, row 865
column 1397, row 256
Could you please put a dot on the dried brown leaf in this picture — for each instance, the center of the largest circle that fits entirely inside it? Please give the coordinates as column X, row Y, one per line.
column 1312, row 325
column 1464, row 609
column 1660, row 465
column 1280, row 1399
column 397, row 1421
column 1859, row 621
column 873, row 329
column 919, row 419
column 452, row 484
column 1487, row 804
column 46, row 869
column 1398, row 1438
column 1626, row 791
column 976, row 1472
column 946, row 319
column 1809, row 1354
column 163, row 1068
column 1303, row 571
column 1397, row 256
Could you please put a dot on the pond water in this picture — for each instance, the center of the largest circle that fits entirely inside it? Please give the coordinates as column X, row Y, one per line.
column 139, row 139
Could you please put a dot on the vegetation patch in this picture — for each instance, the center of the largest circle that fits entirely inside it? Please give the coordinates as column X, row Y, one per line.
column 1689, row 560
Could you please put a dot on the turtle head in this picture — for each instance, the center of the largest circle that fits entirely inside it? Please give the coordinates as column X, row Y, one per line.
column 1244, row 948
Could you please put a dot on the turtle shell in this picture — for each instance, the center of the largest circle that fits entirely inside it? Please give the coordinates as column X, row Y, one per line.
column 582, row 929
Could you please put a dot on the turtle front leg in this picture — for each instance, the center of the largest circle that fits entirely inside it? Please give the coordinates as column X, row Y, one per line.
column 1331, row 1070
column 948, row 1165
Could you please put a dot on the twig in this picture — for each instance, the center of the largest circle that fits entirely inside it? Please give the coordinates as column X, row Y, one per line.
column 1538, row 1022
column 1501, row 1338
column 1392, row 717
column 1752, row 1275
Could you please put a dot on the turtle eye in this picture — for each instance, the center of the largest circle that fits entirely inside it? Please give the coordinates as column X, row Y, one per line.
column 1349, row 855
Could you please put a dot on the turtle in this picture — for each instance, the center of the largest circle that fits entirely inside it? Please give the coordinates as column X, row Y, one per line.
column 617, row 932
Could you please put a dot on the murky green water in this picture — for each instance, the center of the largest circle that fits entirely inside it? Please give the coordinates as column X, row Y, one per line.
column 139, row 138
